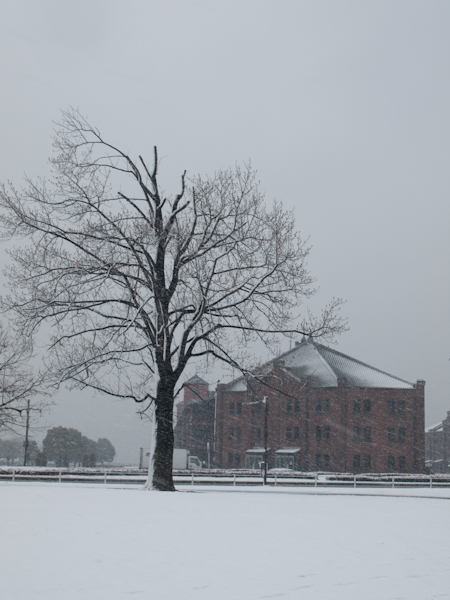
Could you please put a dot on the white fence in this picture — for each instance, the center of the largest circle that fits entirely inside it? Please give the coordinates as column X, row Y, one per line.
column 225, row 478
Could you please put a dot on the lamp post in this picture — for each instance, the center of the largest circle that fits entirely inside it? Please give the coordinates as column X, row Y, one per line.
column 266, row 434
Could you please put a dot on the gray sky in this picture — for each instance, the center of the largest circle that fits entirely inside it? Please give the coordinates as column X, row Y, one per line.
column 342, row 107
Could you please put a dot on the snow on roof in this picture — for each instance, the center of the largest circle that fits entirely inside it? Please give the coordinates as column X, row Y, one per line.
column 238, row 385
column 437, row 426
column 256, row 451
column 287, row 451
column 195, row 380
column 325, row 366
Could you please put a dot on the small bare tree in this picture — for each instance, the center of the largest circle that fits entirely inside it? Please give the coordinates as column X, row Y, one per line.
column 18, row 383
column 137, row 283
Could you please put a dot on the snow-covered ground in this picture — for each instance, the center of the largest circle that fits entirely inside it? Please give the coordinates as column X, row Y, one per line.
column 85, row 542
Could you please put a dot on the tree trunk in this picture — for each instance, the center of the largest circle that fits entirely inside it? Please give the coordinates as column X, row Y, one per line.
column 163, row 455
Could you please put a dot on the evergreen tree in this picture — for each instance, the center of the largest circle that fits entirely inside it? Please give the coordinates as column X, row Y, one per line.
column 105, row 450
column 63, row 445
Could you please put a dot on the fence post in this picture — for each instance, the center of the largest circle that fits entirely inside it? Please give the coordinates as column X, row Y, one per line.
column 14, row 475
column 192, row 478
column 431, row 481
column 234, row 479
column 354, row 481
column 105, row 476
column 59, row 479
column 393, row 480
column 275, row 480
column 315, row 480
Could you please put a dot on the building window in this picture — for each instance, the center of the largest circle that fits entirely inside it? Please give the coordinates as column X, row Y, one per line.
column 367, row 434
column 318, row 405
column 296, row 433
column 288, row 433
column 326, row 434
column 356, row 434
column 297, row 407
column 391, row 407
column 231, row 408
column 231, row 433
column 238, row 434
column 239, row 409
column 367, row 405
column 318, row 433
column 326, row 461
column 401, row 407
column 402, row 463
column 357, row 461
column 402, row 435
column 326, row 407
column 367, row 462
column 289, row 407
column 318, row 461
column 237, row 460
column 230, row 459
column 391, row 434
column 258, row 434
column 391, row 463
column 357, row 405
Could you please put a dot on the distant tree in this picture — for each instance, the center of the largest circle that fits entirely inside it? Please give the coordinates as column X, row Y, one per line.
column 32, row 452
column 41, row 459
column 66, row 445
column 88, row 452
column 105, row 450
column 10, row 449
column 63, row 445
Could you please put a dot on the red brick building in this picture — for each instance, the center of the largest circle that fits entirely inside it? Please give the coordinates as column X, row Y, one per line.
column 194, row 389
column 325, row 412
column 194, row 428
column 437, row 447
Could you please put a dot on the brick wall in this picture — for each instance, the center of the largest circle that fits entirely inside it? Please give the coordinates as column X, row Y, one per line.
column 338, row 429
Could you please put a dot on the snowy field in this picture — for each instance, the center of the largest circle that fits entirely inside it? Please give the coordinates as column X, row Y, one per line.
column 86, row 542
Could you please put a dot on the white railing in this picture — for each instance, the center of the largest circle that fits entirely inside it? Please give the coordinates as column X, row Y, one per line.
column 224, row 478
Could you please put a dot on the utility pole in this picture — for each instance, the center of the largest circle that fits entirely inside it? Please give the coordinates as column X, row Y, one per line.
column 215, row 428
column 27, row 427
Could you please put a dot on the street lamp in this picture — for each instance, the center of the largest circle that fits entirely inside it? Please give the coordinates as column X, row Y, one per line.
column 266, row 434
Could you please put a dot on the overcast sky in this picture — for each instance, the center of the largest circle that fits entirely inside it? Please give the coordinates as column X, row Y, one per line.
column 342, row 107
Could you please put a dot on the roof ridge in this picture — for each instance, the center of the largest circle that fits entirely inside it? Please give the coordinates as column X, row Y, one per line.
column 324, row 359
column 264, row 364
column 362, row 363
column 319, row 348
column 196, row 379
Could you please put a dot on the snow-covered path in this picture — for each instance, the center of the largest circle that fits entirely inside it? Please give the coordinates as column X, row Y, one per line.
column 71, row 542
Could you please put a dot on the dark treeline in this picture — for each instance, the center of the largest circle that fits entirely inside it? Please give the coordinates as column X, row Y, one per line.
column 63, row 446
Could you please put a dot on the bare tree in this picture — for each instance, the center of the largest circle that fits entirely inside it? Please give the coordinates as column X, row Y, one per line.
column 137, row 283
column 18, row 383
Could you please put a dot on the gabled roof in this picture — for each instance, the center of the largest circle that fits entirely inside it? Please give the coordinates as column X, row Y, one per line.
column 435, row 427
column 195, row 380
column 325, row 366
